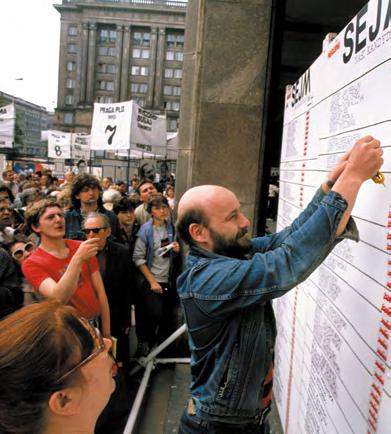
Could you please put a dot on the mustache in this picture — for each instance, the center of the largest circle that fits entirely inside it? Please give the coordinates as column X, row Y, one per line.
column 241, row 233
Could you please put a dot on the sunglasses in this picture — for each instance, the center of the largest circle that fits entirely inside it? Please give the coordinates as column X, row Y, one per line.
column 28, row 247
column 99, row 345
column 94, row 230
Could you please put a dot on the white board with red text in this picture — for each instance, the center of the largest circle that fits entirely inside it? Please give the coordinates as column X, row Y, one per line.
column 333, row 354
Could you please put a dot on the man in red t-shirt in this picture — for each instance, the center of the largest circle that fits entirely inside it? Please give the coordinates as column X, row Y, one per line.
column 65, row 269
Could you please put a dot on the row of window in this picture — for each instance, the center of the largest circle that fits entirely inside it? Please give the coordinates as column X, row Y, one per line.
column 135, row 87
column 137, row 53
column 139, row 37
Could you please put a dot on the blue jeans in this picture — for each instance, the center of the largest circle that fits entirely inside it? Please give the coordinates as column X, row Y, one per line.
column 195, row 425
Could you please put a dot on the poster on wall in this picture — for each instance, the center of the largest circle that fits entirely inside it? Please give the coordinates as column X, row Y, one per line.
column 333, row 348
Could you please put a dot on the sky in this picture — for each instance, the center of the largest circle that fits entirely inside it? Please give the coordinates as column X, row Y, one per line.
column 30, row 35
column 29, row 49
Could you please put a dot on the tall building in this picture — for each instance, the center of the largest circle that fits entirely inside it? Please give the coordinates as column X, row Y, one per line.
column 31, row 119
column 117, row 50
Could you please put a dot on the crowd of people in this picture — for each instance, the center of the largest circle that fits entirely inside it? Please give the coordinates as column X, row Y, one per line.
column 97, row 246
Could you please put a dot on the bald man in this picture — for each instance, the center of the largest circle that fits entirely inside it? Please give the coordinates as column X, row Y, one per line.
column 230, row 280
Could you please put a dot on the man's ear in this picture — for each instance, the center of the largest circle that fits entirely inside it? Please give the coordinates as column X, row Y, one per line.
column 65, row 402
column 199, row 233
column 35, row 229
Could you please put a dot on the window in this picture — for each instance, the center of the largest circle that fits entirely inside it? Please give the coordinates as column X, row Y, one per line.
column 68, row 118
column 172, row 124
column 143, row 88
column 107, row 68
column 139, row 70
column 71, row 83
column 106, row 51
column 106, row 85
column 72, row 31
column 72, row 48
column 141, row 38
column 138, row 88
column 175, row 40
column 168, row 73
column 107, row 36
column 69, row 99
column 140, row 101
column 71, row 66
column 105, row 99
column 175, row 106
column 172, row 90
column 178, row 73
column 169, row 55
column 137, row 53
column 179, row 56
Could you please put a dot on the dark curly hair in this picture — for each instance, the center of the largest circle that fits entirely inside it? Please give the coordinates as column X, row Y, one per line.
column 81, row 181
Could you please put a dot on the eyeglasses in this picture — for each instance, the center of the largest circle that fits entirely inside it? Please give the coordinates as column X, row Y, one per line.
column 28, row 247
column 94, row 230
column 5, row 209
column 98, row 343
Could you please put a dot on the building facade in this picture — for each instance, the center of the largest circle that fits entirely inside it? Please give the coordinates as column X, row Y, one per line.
column 118, row 50
column 31, row 120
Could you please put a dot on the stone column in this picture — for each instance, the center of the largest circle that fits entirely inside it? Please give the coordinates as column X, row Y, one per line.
column 82, row 62
column 124, row 92
column 62, row 68
column 152, row 66
column 223, row 96
column 118, row 47
column 91, row 63
column 159, row 69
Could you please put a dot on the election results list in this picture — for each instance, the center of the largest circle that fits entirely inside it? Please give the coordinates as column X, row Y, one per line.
column 334, row 330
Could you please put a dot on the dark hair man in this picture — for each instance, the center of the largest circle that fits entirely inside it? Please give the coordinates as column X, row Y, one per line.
column 145, row 190
column 227, row 289
column 65, row 270
column 86, row 197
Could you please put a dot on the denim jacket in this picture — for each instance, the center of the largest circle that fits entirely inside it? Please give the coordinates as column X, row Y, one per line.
column 228, row 311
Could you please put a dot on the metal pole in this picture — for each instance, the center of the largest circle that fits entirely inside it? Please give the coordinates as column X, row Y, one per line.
column 139, row 399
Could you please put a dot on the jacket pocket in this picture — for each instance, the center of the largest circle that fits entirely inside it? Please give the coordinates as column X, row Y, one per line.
column 230, row 378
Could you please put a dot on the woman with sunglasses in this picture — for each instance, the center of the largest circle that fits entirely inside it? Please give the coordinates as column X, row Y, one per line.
column 56, row 373
column 20, row 248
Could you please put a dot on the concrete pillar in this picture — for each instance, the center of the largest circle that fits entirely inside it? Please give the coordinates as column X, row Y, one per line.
column 62, row 72
column 223, row 93
column 118, row 47
column 152, row 66
column 82, row 63
column 159, row 68
column 125, row 65
column 91, row 63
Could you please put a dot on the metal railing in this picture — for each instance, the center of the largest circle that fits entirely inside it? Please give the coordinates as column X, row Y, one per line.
column 149, row 363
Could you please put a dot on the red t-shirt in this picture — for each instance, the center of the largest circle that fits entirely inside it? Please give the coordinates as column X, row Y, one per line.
column 41, row 265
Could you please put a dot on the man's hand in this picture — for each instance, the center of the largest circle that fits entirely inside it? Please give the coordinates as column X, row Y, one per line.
column 155, row 287
column 87, row 250
column 340, row 167
column 176, row 247
column 365, row 159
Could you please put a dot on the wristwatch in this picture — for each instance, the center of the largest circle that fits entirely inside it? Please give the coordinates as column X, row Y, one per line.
column 330, row 183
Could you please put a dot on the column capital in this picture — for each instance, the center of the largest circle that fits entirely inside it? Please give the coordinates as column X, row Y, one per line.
column 126, row 28
column 84, row 26
column 154, row 30
column 92, row 26
column 162, row 31
column 120, row 27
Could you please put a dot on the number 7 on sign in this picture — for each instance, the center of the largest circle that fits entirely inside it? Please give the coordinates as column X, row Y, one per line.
column 113, row 129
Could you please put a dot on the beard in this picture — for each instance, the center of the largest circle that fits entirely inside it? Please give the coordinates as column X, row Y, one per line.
column 234, row 247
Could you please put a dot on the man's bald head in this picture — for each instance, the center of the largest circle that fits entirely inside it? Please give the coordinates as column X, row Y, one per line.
column 196, row 205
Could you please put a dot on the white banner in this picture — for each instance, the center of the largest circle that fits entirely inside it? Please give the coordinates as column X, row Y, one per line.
column 148, row 131
column 81, row 144
column 59, row 144
column 111, row 126
column 7, row 125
